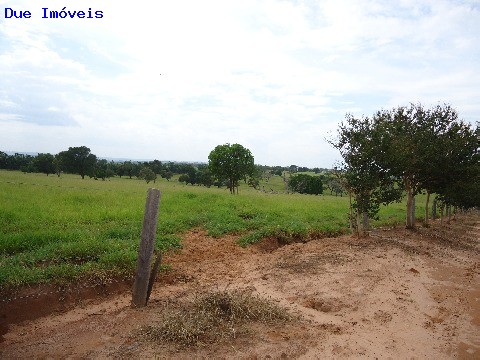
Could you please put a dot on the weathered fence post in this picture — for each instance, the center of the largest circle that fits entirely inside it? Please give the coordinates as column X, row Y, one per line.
column 145, row 251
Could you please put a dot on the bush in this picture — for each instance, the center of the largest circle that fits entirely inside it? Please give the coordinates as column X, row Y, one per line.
column 306, row 184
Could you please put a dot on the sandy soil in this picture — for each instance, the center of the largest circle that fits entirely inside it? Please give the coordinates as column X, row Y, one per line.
column 396, row 294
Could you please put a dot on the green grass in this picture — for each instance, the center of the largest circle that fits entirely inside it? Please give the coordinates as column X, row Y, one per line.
column 62, row 229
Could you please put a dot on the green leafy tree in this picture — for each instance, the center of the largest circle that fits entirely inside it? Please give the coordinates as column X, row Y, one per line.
column 455, row 174
column 334, row 184
column 184, row 178
column 364, row 178
column 410, row 149
column 44, row 163
column 147, row 174
column 57, row 163
column 103, row 170
column 78, row 160
column 156, row 166
column 131, row 169
column 204, row 177
column 3, row 160
column 425, row 149
column 306, row 184
column 231, row 163
column 166, row 174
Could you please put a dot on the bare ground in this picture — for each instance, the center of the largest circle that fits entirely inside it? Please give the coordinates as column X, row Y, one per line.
column 396, row 294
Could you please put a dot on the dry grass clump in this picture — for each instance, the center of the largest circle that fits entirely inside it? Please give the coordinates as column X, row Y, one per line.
column 215, row 317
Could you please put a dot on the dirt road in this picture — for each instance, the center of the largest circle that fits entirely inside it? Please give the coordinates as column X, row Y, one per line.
column 396, row 294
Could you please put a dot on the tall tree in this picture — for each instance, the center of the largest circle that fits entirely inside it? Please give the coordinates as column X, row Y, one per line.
column 78, row 160
column 425, row 149
column 44, row 163
column 400, row 134
column 231, row 163
column 358, row 143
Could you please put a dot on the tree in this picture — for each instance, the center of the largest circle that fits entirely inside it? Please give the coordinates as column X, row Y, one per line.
column 57, row 163
column 131, row 169
column 450, row 158
column 78, row 160
column 44, row 163
column 410, row 149
column 231, row 163
column 184, row 178
column 401, row 155
column 103, row 170
column 306, row 184
column 424, row 149
column 166, row 174
column 147, row 174
column 204, row 177
column 3, row 160
column 456, row 177
column 334, row 184
column 364, row 178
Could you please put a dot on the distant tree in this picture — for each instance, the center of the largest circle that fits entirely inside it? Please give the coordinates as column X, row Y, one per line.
column 306, row 184
column 166, row 174
column 18, row 161
column 131, row 169
column 3, row 160
column 156, row 166
column 44, row 163
column 147, row 174
column 120, row 170
column 78, row 160
column 333, row 183
column 184, row 178
column 256, row 176
column 192, row 174
column 57, row 163
column 204, row 177
column 103, row 170
column 277, row 170
column 231, row 163
column 293, row 169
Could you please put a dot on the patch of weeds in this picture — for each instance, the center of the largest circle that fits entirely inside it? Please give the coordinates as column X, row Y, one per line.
column 215, row 317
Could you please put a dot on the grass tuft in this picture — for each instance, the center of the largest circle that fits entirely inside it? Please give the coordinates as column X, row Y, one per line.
column 215, row 317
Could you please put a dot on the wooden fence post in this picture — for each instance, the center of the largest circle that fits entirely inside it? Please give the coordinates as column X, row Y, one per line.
column 145, row 251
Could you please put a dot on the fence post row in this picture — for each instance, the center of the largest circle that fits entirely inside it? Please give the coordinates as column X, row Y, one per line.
column 143, row 282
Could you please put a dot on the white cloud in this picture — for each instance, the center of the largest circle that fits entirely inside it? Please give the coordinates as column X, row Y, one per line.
column 171, row 80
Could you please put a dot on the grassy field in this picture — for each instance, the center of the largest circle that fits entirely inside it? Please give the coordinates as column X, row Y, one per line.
column 61, row 229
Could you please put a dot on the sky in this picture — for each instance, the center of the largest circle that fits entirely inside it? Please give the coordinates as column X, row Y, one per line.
column 170, row 80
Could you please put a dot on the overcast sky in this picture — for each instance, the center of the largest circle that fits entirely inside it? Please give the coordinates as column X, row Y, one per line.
column 170, row 80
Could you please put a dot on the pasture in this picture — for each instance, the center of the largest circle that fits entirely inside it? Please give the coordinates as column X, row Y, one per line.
column 61, row 229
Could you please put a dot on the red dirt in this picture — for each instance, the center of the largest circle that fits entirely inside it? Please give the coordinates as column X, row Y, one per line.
column 396, row 294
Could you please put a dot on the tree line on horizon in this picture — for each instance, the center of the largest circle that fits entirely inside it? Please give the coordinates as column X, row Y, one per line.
column 81, row 161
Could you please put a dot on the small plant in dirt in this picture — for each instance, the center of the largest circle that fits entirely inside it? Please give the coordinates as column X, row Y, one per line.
column 215, row 317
